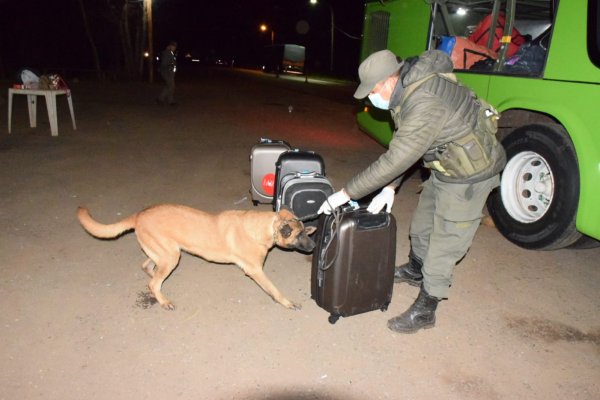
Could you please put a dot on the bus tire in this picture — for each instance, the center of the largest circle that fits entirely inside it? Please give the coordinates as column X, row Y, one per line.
column 585, row 242
column 536, row 204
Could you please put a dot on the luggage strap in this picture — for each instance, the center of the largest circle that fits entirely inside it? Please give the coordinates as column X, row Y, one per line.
column 334, row 230
column 308, row 217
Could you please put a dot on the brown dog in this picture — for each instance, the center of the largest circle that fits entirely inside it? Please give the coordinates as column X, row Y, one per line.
column 233, row 237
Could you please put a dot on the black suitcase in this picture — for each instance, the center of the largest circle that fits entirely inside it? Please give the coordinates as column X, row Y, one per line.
column 304, row 193
column 353, row 262
column 263, row 157
column 294, row 161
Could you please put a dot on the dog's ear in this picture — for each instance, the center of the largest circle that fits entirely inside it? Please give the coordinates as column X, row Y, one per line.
column 285, row 231
column 310, row 230
column 286, row 214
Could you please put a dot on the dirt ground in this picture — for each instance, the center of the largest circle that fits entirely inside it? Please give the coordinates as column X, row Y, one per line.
column 75, row 323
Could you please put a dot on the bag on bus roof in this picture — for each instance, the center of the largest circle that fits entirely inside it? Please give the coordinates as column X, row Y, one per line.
column 463, row 52
column 482, row 32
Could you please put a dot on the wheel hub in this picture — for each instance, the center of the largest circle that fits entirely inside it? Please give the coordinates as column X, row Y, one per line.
column 527, row 187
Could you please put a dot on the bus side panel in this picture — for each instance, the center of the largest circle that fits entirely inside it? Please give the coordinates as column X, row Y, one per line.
column 568, row 57
column 408, row 28
column 479, row 83
column 567, row 102
column 380, row 129
column 407, row 36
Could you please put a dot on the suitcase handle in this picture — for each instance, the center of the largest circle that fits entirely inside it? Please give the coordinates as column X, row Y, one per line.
column 299, row 174
column 267, row 140
column 375, row 221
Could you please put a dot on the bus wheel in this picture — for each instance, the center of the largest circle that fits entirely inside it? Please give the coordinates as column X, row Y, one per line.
column 536, row 204
column 584, row 243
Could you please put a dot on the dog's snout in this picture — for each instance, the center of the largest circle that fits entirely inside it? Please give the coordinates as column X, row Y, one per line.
column 311, row 245
column 306, row 244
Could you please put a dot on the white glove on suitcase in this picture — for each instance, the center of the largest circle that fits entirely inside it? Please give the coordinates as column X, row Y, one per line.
column 385, row 198
column 334, row 201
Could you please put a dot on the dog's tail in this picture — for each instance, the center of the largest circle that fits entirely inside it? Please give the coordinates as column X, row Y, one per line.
column 103, row 231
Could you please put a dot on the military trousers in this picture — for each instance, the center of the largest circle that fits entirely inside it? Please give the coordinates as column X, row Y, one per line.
column 443, row 227
column 167, row 95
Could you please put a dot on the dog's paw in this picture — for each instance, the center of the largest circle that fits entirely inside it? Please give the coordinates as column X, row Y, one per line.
column 168, row 306
column 295, row 306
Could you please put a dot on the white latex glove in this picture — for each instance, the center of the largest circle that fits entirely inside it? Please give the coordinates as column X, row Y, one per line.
column 334, row 201
column 385, row 198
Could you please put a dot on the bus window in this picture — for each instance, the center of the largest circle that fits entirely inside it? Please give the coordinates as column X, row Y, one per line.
column 462, row 29
column 379, row 25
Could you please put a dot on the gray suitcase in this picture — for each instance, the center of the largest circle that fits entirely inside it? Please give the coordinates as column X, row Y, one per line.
column 304, row 193
column 263, row 157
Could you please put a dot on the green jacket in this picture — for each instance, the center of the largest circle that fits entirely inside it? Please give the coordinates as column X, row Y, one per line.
column 437, row 112
column 168, row 62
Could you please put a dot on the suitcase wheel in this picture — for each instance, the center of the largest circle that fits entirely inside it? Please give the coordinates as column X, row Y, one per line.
column 333, row 318
column 255, row 203
column 384, row 307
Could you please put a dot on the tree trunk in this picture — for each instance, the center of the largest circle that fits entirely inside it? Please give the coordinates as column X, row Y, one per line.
column 126, row 41
column 142, row 42
column 126, row 17
column 88, row 32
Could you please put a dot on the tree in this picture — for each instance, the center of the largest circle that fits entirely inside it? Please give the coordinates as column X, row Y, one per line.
column 131, row 35
column 90, row 37
column 125, row 46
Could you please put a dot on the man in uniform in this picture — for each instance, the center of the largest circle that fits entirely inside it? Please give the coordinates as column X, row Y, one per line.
column 168, row 66
column 440, row 120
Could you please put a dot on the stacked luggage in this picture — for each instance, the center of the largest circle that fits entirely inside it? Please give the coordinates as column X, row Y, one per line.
column 353, row 261
column 479, row 47
column 301, row 184
column 289, row 178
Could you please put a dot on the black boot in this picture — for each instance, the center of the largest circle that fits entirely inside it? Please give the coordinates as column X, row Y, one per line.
column 420, row 315
column 410, row 272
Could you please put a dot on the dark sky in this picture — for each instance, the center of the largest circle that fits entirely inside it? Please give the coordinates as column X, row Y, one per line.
column 47, row 34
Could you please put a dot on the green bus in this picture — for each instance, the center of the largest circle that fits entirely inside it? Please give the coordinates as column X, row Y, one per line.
column 546, row 86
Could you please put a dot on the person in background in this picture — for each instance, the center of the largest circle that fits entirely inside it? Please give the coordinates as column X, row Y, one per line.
column 168, row 66
column 440, row 120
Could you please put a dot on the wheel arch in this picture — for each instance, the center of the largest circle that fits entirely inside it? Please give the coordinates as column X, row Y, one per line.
column 585, row 142
column 535, row 152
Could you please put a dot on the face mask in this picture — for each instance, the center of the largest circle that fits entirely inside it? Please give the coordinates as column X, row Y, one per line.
column 379, row 101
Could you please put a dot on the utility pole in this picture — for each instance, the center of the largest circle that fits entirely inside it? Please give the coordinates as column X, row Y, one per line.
column 148, row 14
column 264, row 28
column 315, row 2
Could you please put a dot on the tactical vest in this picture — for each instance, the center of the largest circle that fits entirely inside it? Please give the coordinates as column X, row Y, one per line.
column 470, row 154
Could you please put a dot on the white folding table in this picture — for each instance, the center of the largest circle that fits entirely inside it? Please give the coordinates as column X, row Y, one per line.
column 50, row 96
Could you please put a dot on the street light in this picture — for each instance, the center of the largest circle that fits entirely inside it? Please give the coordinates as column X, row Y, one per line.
column 315, row 2
column 264, row 28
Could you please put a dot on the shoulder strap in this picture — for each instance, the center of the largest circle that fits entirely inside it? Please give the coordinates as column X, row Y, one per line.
column 449, row 76
column 413, row 86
